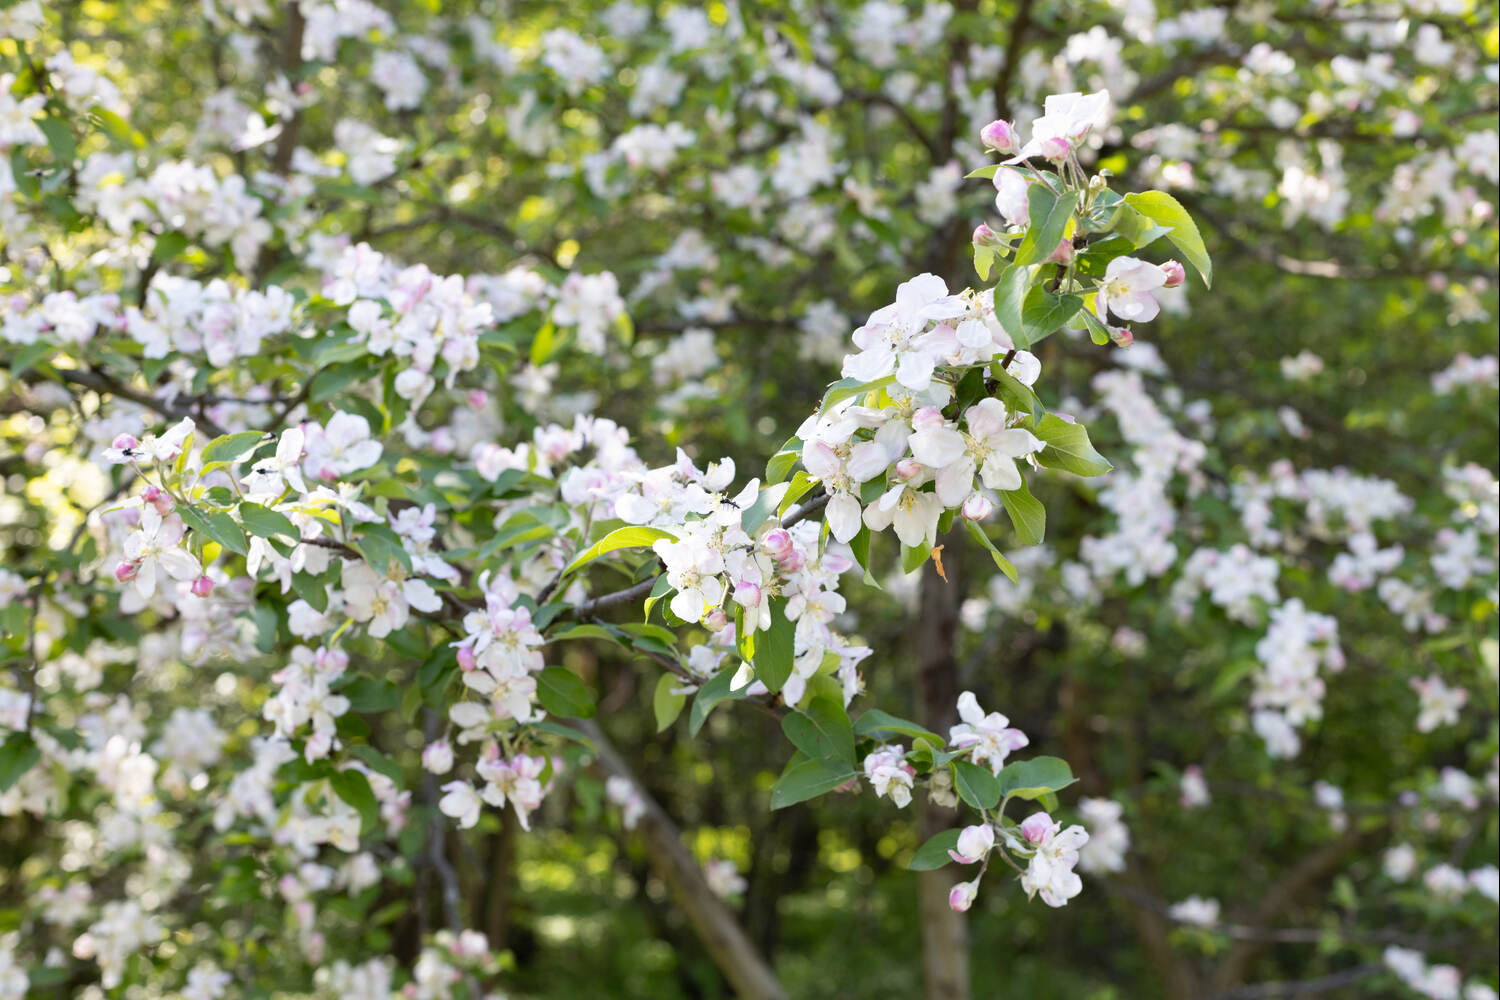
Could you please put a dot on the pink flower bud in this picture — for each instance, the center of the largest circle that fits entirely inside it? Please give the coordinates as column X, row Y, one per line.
column 1174, row 272
column 158, row 498
column 1036, row 827
column 124, row 442
column 126, row 571
column 747, row 593
column 1056, row 149
column 792, row 561
column 961, row 896
column 907, row 468
column 978, row 507
column 1063, row 254
column 716, row 619
column 202, row 587
column 778, row 543
column 984, row 236
column 478, row 398
column 999, row 136
column 1121, row 336
column 926, row 419
column 466, row 661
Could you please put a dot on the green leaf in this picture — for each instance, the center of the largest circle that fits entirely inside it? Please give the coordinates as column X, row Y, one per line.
column 1006, row 566
column 1031, row 779
column 1027, row 514
column 753, row 516
column 17, row 756
column 59, row 139
column 264, row 522
column 1162, row 208
column 715, row 690
column 543, row 344
column 1098, row 332
column 934, row 853
column 667, row 702
column 1049, row 223
column 216, row 526
column 381, row 546
column 846, row 388
column 565, row 732
column 168, row 247
column 118, row 128
column 379, row 762
column 231, row 447
column 784, row 461
column 912, row 557
column 806, row 779
column 354, row 788
column 822, row 731
column 371, row 694
column 1068, row 447
column 1010, row 296
column 984, row 172
column 879, row 725
column 1133, row 228
column 1043, row 313
column 976, row 785
column 334, row 379
column 30, row 354
column 774, row 648
column 633, row 537
column 564, row 693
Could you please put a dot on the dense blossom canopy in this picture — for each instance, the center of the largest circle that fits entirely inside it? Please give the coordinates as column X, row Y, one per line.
column 405, row 404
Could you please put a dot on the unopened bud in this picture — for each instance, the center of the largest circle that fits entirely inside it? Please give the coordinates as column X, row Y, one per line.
column 1036, row 827
column 1174, row 272
column 126, row 571
column 792, row 561
column 202, row 587
column 978, row 507
column 124, row 442
column 926, row 419
column 158, row 498
column 1056, row 149
column 1063, row 254
column 908, row 468
column 478, row 398
column 778, row 543
column 961, row 896
column 999, row 136
column 1121, row 336
column 437, row 758
column 466, row 661
column 716, row 619
column 984, row 236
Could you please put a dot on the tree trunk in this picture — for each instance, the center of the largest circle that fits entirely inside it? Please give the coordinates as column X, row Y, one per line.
column 747, row 972
column 945, row 934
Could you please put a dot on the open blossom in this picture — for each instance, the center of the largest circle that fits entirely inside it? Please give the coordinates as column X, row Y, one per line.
column 1439, row 703
column 461, row 803
column 1195, row 910
column 381, row 602
column 1110, row 838
column 989, row 738
column 989, row 447
column 342, row 447
column 1050, row 871
column 156, row 548
column 890, row 775
column 1127, row 288
column 1065, row 119
column 517, row 781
